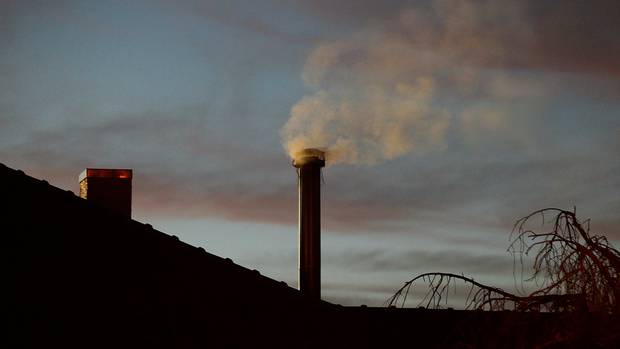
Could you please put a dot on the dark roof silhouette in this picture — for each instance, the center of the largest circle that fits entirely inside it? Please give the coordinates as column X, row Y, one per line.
column 78, row 276
column 83, row 276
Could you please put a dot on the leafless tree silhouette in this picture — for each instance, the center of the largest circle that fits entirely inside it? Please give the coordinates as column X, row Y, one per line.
column 573, row 269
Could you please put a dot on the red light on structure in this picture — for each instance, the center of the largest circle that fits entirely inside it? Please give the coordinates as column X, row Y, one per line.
column 106, row 173
column 108, row 188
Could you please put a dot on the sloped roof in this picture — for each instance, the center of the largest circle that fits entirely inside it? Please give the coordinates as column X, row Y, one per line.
column 77, row 276
column 79, row 273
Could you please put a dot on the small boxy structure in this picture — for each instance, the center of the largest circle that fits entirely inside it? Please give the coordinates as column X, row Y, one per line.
column 108, row 188
column 309, row 163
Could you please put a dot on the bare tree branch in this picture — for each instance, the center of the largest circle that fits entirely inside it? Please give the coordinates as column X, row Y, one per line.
column 574, row 270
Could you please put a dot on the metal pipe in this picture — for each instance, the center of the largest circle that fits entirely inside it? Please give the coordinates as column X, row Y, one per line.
column 309, row 163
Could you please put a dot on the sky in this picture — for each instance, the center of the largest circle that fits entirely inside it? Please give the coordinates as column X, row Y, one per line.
column 444, row 122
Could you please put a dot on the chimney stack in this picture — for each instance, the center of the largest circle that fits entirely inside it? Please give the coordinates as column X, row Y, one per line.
column 108, row 188
column 309, row 163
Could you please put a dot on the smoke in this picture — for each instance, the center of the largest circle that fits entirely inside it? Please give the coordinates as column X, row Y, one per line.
column 367, row 125
column 362, row 113
column 381, row 94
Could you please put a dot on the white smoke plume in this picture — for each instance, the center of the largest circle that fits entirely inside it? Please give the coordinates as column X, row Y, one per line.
column 377, row 94
column 358, row 115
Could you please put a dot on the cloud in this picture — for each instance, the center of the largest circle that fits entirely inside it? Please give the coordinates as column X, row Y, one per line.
column 414, row 260
column 486, row 118
column 352, row 10
column 183, row 168
column 482, row 148
column 382, row 92
column 243, row 16
column 373, row 275
column 578, row 36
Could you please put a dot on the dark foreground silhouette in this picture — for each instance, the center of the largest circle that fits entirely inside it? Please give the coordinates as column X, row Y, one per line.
column 78, row 276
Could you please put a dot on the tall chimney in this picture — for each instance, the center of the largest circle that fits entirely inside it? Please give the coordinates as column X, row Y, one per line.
column 108, row 188
column 309, row 163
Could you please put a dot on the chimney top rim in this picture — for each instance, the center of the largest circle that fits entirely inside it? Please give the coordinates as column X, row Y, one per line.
column 309, row 157
column 121, row 173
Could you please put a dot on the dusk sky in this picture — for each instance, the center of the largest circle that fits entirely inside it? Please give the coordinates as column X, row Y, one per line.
column 444, row 122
